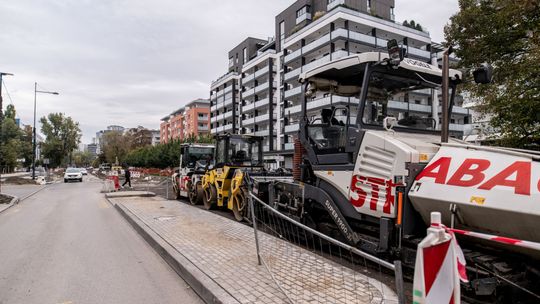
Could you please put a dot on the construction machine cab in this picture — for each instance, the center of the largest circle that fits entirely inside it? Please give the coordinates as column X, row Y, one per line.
column 196, row 155
column 238, row 150
column 368, row 91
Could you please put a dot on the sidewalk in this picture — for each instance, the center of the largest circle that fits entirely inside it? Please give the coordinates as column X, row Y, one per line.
column 223, row 251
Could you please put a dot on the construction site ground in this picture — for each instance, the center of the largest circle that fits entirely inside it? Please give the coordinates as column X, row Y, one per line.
column 222, row 262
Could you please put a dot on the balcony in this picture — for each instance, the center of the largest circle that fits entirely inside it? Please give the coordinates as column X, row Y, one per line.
column 256, row 105
column 460, row 110
column 262, row 72
column 351, row 35
column 202, row 128
column 293, row 109
column 262, row 118
column 228, row 101
column 456, row 127
column 248, row 107
column 304, row 17
column 202, row 118
column 227, row 127
column 418, row 52
column 248, row 121
column 359, row 37
column 228, row 89
column 262, row 133
column 248, row 92
column 289, row 146
column 293, row 92
column 292, row 128
column 262, row 87
column 292, row 74
column 227, row 115
column 332, row 4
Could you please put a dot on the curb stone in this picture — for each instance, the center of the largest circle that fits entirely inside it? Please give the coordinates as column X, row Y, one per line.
column 15, row 200
column 202, row 284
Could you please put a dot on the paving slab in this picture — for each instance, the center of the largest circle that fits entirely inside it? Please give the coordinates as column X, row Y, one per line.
column 223, row 251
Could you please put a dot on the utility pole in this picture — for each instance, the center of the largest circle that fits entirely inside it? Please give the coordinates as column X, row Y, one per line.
column 1, row 120
column 34, row 137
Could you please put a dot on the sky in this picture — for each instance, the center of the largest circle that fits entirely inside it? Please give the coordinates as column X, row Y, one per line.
column 132, row 62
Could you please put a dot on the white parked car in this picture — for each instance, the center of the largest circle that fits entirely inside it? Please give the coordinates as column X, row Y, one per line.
column 83, row 171
column 73, row 174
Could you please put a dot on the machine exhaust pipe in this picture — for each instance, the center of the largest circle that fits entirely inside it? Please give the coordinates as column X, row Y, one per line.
column 445, row 123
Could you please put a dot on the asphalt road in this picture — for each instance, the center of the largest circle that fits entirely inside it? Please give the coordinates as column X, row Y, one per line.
column 67, row 244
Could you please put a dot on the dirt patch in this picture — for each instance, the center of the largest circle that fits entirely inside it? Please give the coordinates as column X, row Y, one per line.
column 15, row 180
column 5, row 199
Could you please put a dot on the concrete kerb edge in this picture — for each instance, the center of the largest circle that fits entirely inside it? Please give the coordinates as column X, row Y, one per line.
column 15, row 200
column 202, row 284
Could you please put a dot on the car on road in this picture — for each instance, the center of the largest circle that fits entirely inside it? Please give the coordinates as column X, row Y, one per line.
column 83, row 171
column 73, row 174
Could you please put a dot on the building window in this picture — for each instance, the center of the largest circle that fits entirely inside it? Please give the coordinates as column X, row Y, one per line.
column 245, row 55
column 231, row 62
column 392, row 16
column 369, row 5
column 301, row 12
column 282, row 30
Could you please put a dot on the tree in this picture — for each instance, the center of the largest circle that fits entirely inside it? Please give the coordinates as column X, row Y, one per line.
column 26, row 146
column 10, row 140
column 115, row 145
column 63, row 135
column 82, row 159
column 507, row 35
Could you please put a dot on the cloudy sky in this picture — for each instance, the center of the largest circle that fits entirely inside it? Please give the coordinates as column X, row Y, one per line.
column 131, row 62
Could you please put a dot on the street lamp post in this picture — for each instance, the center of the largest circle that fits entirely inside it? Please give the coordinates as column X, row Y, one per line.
column 34, row 136
column 2, row 115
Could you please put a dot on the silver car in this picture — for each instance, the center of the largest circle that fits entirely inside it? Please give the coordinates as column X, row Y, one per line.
column 73, row 174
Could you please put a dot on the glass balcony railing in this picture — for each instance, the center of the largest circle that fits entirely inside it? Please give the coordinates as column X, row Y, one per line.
column 293, row 92
column 292, row 74
column 262, row 118
column 292, row 128
column 262, row 133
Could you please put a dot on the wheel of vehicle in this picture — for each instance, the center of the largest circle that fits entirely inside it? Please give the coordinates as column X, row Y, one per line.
column 80, row 180
column 210, row 197
column 196, row 194
column 65, row 180
column 240, row 204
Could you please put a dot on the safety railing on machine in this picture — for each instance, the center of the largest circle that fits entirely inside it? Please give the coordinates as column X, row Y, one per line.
column 312, row 267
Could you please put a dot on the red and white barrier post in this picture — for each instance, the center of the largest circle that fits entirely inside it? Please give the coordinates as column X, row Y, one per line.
column 439, row 266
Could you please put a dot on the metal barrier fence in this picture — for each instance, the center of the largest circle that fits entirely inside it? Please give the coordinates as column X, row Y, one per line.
column 311, row 267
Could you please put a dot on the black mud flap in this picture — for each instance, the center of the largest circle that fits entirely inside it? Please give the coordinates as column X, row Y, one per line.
column 320, row 196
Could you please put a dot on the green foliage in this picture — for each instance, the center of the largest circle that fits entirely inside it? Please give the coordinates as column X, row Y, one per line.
column 412, row 24
column 318, row 15
column 82, row 159
column 115, row 145
column 26, row 146
column 63, row 135
column 163, row 155
column 12, row 141
column 507, row 35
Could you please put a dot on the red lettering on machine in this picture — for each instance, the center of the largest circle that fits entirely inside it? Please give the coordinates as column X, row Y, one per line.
column 472, row 172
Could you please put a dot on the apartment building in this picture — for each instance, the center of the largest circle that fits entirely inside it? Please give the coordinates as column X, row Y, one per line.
column 193, row 119
column 261, row 94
